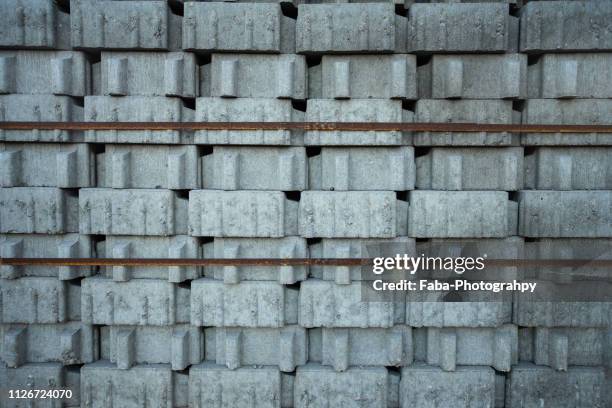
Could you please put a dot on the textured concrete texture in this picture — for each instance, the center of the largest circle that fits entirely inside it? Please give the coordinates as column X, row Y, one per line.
column 297, row 336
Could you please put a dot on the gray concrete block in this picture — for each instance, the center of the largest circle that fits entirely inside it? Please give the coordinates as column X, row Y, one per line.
column 450, row 28
column 286, row 248
column 474, row 77
column 567, row 112
column 45, row 72
column 561, row 27
column 179, row 246
column 45, row 246
column 465, row 111
column 66, row 343
column 149, row 74
column 139, row 166
column 264, row 214
column 103, row 385
column 255, row 168
column 470, row 168
column 131, row 212
column 325, row 304
column 530, row 386
column 137, row 109
column 529, row 312
column 40, row 108
column 179, row 345
column 349, row 28
column 354, row 248
column 285, row 347
column 139, row 25
column 565, row 214
column 428, row 387
column 367, row 76
column 357, row 110
column 40, row 210
column 257, row 76
column 360, row 168
column 461, row 214
column 571, row 76
column 36, row 24
column 448, row 348
column 247, row 304
column 46, row 165
column 144, row 302
column 569, row 168
column 352, row 214
column 247, row 110
column 214, row 27
column 39, row 300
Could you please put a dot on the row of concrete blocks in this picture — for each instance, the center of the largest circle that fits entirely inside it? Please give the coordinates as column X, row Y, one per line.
column 318, row 214
column 102, row 385
column 470, row 76
column 255, row 304
column 318, row 28
column 184, row 167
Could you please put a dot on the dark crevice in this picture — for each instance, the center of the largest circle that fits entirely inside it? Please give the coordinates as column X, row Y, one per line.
column 421, row 151
column 313, row 241
column 408, row 105
column 299, row 104
column 184, row 194
column 189, row 103
column 203, row 59
column 423, row 59
column 205, row 150
column 289, row 10
column 518, row 105
column 176, row 7
column 293, row 195
column 513, row 196
column 401, row 195
column 313, row 60
column 313, row 151
column 400, row 10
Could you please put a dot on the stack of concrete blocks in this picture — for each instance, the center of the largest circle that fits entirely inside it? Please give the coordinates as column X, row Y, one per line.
column 299, row 336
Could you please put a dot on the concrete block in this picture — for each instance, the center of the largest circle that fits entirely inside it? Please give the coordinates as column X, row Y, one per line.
column 571, row 76
column 234, row 347
column 39, row 108
column 36, row 377
column 357, row 110
column 470, row 168
column 46, row 165
column 360, row 168
column 248, row 304
column 247, row 110
column 428, row 387
column 530, row 385
column 45, row 72
column 465, row 111
column 474, row 76
column 213, row 385
column 36, row 24
column 285, row 248
column 448, row 348
column 342, row 348
column 236, row 27
column 149, row 74
column 265, row 214
column 448, row 28
column 45, row 246
column 354, row 248
column 255, row 168
column 138, row 166
column 179, row 246
column 137, row 109
column 40, row 210
column 349, row 28
column 105, row 385
column 561, row 27
column 144, row 302
column 325, row 304
column 567, row 112
column 66, row 343
column 569, row 168
column 352, row 214
column 179, row 345
column 38, row 300
column 257, row 76
column 565, row 214
column 461, row 214
column 368, row 76
column 139, row 25
column 131, row 212
column 530, row 312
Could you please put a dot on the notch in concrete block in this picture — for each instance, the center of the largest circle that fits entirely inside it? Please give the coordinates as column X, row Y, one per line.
column 399, row 78
column 341, row 349
column 61, row 71
column 67, row 169
column 453, row 78
column 11, row 249
column 399, row 346
column 342, row 81
column 229, row 78
column 121, row 169
column 117, row 76
column 551, row 348
column 177, row 170
column 233, row 348
column 121, row 250
column 504, row 348
column 180, row 349
column 287, row 350
column 231, row 168
column 124, row 348
column 173, row 76
column 14, row 348
column 7, row 75
column 448, row 349
column 70, row 343
column 69, row 249
column 10, row 168
column 566, row 80
column 177, row 250
column 286, row 75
